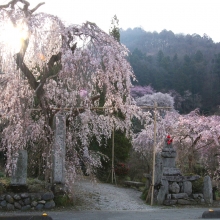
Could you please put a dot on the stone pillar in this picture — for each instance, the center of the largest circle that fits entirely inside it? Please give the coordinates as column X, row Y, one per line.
column 158, row 169
column 163, row 191
column 207, row 190
column 168, row 155
column 19, row 169
column 59, row 149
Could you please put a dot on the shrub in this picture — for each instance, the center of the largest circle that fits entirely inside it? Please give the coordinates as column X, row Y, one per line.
column 1, row 174
column 144, row 194
column 63, row 200
column 121, row 169
column 197, row 185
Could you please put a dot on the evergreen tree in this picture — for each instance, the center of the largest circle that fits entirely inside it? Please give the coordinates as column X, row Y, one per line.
column 114, row 30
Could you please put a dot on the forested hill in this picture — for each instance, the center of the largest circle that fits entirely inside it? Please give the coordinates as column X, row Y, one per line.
column 188, row 64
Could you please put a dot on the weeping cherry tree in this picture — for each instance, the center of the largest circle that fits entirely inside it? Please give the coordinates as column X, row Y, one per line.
column 47, row 67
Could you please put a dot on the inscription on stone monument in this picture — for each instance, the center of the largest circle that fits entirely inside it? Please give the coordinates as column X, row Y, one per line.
column 59, row 148
column 19, row 169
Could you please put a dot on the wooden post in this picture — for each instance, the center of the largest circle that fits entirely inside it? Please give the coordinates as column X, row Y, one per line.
column 155, row 107
column 113, row 154
column 154, row 152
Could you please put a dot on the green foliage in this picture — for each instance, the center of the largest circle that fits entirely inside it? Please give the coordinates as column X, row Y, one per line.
column 138, row 165
column 2, row 188
column 121, row 169
column 144, row 194
column 114, row 30
column 1, row 174
column 217, row 195
column 137, row 125
column 184, row 63
column 122, row 147
column 35, row 185
column 197, row 185
column 63, row 200
column 5, row 181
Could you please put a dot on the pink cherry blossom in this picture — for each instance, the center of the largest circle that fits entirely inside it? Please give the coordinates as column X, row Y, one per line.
column 83, row 93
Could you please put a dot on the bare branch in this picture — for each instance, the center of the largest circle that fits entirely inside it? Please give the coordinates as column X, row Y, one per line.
column 20, row 63
column 13, row 2
column 35, row 8
column 204, row 145
column 27, row 12
column 94, row 98
column 31, row 79
column 3, row 81
column 54, row 59
column 73, row 47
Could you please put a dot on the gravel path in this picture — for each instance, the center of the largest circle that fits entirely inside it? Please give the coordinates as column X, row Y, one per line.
column 103, row 196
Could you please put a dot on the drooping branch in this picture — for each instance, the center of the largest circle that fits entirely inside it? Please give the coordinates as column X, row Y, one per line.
column 203, row 146
column 195, row 142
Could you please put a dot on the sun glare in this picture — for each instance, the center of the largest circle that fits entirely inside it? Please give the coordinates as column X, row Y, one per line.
column 12, row 36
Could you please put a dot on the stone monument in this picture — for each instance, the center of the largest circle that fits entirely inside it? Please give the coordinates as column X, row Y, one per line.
column 171, row 187
column 19, row 172
column 207, row 190
column 59, row 149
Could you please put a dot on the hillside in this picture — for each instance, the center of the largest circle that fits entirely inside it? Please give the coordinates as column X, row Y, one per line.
column 188, row 64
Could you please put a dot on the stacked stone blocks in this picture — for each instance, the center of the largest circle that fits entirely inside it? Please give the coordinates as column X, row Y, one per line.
column 171, row 187
column 26, row 201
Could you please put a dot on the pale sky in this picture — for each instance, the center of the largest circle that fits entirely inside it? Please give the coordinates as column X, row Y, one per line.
column 179, row 16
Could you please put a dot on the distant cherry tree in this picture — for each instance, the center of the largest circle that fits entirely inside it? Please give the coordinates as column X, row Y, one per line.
column 195, row 138
column 48, row 67
column 162, row 100
column 139, row 91
column 144, row 140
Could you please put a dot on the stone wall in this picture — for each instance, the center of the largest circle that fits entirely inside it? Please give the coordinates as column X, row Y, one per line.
column 26, row 201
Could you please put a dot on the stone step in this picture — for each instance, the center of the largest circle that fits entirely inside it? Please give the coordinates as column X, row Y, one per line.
column 180, row 178
column 133, row 183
